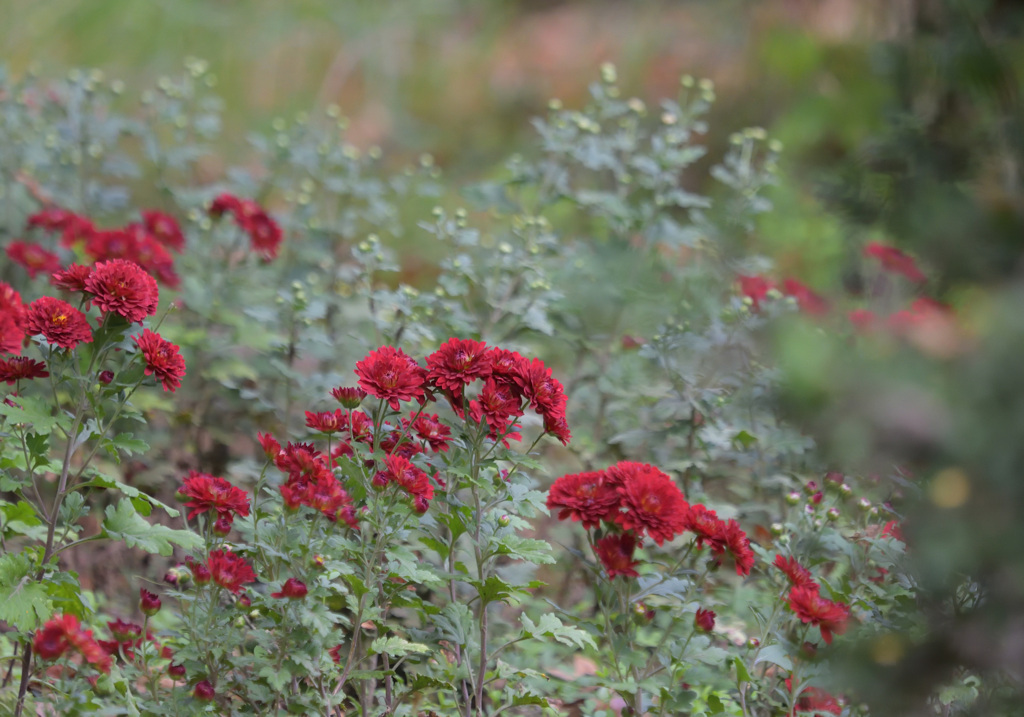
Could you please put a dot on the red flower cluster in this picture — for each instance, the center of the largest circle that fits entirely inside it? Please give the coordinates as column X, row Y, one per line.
column 58, row 321
column 392, row 376
column 263, row 231
column 206, row 492
column 755, row 288
column 121, row 287
column 796, row 573
column 63, row 632
column 144, row 244
column 293, row 589
column 311, row 483
column 12, row 320
column 19, row 367
column 228, row 570
column 809, row 605
column 808, row 301
column 162, row 358
column 33, row 257
column 409, row 478
column 895, row 261
column 815, row 701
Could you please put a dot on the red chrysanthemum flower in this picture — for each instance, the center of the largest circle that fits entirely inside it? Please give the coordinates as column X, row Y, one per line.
column 152, row 256
column 52, row 219
column 796, row 573
column 224, row 204
column 112, row 244
column 162, row 359
column 293, row 589
column 499, row 405
column 58, row 321
column 615, row 551
column 704, row 620
column 809, row 302
column 863, row 320
column 506, row 366
column 543, row 390
column 411, row 479
column 327, row 421
column 33, row 257
column 755, row 288
column 588, row 497
column 738, row 546
column 389, row 374
column 457, row 363
column 263, row 231
column 206, row 492
column 815, row 701
column 809, row 605
column 123, row 288
column 12, row 320
column 430, row 429
column 895, row 260
column 299, row 459
column 165, row 229
column 892, row 529
column 650, row 502
column 558, row 427
column 72, row 278
column 360, row 427
column 124, row 631
column 230, row 571
column 63, row 632
column 349, row 397
column 21, row 367
column 271, row 448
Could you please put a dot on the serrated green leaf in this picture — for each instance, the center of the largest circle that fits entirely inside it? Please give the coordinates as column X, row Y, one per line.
column 23, row 601
column 396, row 646
column 775, row 655
column 99, row 480
column 551, row 626
column 124, row 524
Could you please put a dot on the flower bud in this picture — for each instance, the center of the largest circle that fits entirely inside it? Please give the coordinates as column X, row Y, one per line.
column 105, row 377
column 753, row 643
column 204, row 691
column 793, row 498
column 149, row 602
column 292, row 589
column 349, row 397
column 832, row 514
column 222, row 527
column 318, row 560
column 864, row 504
column 811, row 487
column 777, row 529
column 200, row 573
column 176, row 672
column 504, row 521
column 704, row 620
column 244, row 601
column 845, row 490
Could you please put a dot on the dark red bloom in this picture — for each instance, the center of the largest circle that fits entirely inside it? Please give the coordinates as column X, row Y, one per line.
column 263, row 231
column 892, row 529
column 558, row 427
column 33, row 257
column 543, row 390
column 456, row 364
column 299, row 459
column 58, row 321
column 895, row 260
column 506, row 366
column 224, row 204
column 650, row 502
column 499, row 405
column 200, row 573
column 12, row 320
column 809, row 302
column 204, row 691
column 72, row 278
column 813, row 609
column 709, row 528
column 863, row 320
column 123, row 288
column 349, row 397
column 755, row 288
column 112, row 244
column 411, row 479
column 222, row 526
column 335, row 653
column 165, row 229
column 326, row 421
column 796, row 573
column 206, row 492
column 105, row 377
column 124, row 631
column 588, row 497
column 815, row 701
column 63, row 632
column 230, row 571
column 176, row 672
column 292, row 589
column 430, row 429
column 615, row 551
column 270, row 446
column 18, row 368
column 704, row 620
column 389, row 374
column 163, row 359
column 738, row 545
column 149, row 603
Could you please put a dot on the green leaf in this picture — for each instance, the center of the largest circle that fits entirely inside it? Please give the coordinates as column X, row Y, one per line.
column 742, row 674
column 775, row 655
column 124, row 524
column 744, row 439
column 396, row 646
column 32, row 411
column 99, row 480
column 23, row 601
column 551, row 626
column 65, row 593
column 125, row 443
column 276, row 677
